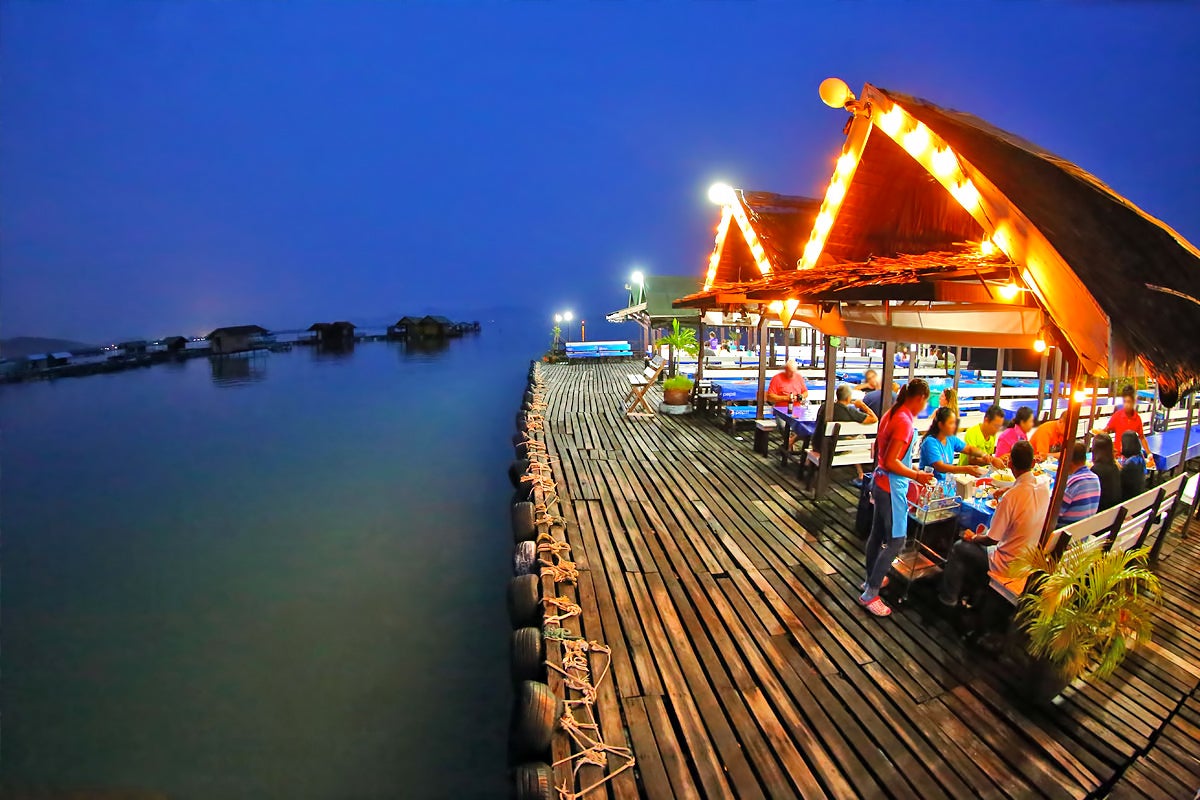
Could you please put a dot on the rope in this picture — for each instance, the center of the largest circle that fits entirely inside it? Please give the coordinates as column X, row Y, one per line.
column 579, row 715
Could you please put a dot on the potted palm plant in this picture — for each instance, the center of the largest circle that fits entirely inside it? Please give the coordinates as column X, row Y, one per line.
column 1089, row 609
column 677, row 389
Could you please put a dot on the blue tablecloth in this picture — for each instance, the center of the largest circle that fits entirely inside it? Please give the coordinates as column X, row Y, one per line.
column 1167, row 447
column 802, row 421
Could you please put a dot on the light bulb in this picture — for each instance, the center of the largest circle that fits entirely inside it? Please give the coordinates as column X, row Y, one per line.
column 1039, row 345
column 722, row 194
column 1009, row 291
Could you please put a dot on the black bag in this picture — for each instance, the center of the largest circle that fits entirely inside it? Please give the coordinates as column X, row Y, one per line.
column 866, row 509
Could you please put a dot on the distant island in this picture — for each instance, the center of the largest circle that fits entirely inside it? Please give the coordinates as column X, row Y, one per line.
column 20, row 346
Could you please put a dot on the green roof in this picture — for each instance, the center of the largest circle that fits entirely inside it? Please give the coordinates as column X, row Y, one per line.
column 663, row 290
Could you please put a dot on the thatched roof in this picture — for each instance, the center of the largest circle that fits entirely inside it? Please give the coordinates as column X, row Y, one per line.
column 1143, row 274
column 779, row 222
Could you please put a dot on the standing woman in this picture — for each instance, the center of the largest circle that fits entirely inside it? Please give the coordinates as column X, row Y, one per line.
column 889, row 490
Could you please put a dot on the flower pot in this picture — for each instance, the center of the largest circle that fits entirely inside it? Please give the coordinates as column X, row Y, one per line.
column 677, row 397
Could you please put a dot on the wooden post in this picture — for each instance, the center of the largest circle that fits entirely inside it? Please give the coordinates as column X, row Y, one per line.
column 957, row 369
column 885, row 377
column 830, row 381
column 912, row 362
column 699, row 375
column 1041, row 396
column 1064, row 457
column 1187, row 435
column 812, row 340
column 1054, row 390
column 1000, row 353
column 1087, row 436
column 762, row 366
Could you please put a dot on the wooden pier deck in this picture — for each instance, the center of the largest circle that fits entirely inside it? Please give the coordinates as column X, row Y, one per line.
column 742, row 665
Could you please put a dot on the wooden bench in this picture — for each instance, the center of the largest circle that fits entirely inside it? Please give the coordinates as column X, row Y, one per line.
column 844, row 444
column 598, row 350
column 1122, row 527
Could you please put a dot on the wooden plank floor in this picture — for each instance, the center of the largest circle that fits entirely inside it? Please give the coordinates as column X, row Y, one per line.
column 742, row 665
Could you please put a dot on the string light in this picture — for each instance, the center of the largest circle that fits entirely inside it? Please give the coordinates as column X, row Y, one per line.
column 944, row 163
column 987, row 248
column 893, row 121
column 917, row 141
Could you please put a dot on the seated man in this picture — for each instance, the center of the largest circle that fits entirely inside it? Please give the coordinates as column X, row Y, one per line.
column 981, row 440
column 1016, row 526
column 788, row 387
column 846, row 409
column 1081, row 495
column 874, row 398
column 870, row 381
column 1048, row 437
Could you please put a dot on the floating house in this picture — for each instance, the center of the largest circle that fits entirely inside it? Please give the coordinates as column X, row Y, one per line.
column 136, row 347
column 332, row 332
column 402, row 327
column 436, row 327
column 175, row 344
column 237, row 339
column 649, row 304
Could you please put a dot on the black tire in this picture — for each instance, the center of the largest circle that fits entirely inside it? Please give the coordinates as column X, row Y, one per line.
column 533, row 782
column 525, row 600
column 516, row 469
column 522, row 423
column 525, row 559
column 535, row 713
column 528, row 654
column 524, row 525
column 523, row 493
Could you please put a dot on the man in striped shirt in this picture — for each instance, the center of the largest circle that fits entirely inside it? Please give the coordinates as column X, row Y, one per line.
column 1081, row 495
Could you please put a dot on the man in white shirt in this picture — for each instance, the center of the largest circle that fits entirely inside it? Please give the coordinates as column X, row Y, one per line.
column 1016, row 527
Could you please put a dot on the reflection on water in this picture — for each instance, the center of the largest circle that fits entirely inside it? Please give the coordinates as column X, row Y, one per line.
column 238, row 369
column 422, row 347
column 292, row 590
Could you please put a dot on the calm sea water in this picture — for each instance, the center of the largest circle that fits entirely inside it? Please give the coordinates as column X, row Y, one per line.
column 278, row 577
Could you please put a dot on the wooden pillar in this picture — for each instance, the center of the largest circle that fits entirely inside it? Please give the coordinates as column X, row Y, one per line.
column 1041, row 395
column 885, row 377
column 1187, row 435
column 1000, row 353
column 762, row 367
column 812, row 340
column 1057, row 384
column 912, row 362
column 830, row 379
column 1087, row 436
column 957, row 369
column 1064, row 456
column 699, row 353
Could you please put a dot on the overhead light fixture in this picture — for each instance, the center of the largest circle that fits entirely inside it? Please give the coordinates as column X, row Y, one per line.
column 722, row 194
column 1009, row 291
column 1039, row 345
column 637, row 277
column 835, row 93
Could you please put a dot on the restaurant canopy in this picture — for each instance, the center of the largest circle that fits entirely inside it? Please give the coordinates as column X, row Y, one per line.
column 938, row 227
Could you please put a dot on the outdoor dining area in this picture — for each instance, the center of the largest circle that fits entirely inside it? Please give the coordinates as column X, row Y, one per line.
column 1034, row 328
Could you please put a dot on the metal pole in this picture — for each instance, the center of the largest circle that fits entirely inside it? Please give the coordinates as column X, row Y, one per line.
column 1064, row 458
column 762, row 368
column 912, row 362
column 885, row 379
column 699, row 376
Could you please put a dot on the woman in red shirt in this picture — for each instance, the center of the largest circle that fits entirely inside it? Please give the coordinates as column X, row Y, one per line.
column 1128, row 419
column 889, row 490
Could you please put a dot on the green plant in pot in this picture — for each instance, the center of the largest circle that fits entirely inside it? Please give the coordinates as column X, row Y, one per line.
column 1088, row 610
column 677, row 391
column 680, row 340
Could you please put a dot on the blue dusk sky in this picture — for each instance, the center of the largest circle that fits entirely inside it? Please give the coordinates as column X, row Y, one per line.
column 167, row 167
